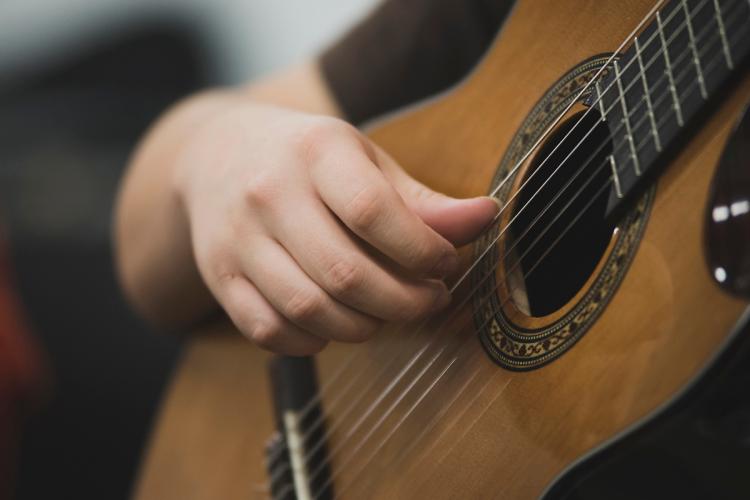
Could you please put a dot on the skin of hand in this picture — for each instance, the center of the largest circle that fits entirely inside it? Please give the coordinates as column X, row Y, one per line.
column 302, row 229
column 307, row 232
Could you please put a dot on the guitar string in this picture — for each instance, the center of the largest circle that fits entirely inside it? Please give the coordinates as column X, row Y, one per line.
column 310, row 405
column 680, row 78
column 437, row 416
column 656, row 56
column 444, row 408
column 554, row 200
column 383, row 440
column 653, row 37
column 352, row 381
column 600, row 191
column 535, row 221
column 693, row 88
column 674, row 13
column 527, row 230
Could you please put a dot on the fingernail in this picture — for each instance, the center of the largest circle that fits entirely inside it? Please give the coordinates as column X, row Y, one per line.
column 496, row 200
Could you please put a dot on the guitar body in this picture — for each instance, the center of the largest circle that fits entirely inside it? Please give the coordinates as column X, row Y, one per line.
column 462, row 426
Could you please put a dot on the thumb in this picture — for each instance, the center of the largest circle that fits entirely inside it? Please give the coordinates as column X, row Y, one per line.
column 457, row 220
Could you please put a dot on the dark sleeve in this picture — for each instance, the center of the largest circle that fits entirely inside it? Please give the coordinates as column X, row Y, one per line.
column 408, row 49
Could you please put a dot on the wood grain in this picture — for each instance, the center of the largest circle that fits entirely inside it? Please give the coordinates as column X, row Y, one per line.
column 479, row 431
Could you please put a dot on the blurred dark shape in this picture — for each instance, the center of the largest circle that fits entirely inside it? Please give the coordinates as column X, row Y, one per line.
column 21, row 374
column 65, row 137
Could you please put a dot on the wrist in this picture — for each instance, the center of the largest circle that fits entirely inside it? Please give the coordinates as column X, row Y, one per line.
column 199, row 146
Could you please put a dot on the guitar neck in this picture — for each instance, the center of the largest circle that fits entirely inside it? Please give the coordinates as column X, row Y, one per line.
column 667, row 76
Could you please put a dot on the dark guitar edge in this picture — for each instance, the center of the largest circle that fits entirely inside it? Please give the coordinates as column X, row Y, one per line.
column 734, row 349
column 736, row 346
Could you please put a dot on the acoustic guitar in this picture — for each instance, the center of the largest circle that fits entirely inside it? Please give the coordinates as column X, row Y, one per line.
column 595, row 346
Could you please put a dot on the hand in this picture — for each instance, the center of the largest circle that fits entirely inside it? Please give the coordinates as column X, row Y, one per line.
column 306, row 232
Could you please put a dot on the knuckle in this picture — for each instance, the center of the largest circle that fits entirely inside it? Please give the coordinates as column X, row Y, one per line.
column 304, row 307
column 364, row 332
column 225, row 275
column 217, row 257
column 422, row 254
column 265, row 333
column 317, row 136
column 222, row 275
column 343, row 278
column 364, row 210
column 262, row 191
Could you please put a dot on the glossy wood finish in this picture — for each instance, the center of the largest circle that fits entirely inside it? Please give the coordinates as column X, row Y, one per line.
column 217, row 409
column 209, row 438
column 698, row 448
column 466, row 428
column 728, row 214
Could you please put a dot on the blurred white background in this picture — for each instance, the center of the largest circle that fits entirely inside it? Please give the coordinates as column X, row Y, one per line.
column 244, row 37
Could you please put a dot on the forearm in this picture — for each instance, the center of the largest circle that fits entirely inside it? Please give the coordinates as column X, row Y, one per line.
column 152, row 236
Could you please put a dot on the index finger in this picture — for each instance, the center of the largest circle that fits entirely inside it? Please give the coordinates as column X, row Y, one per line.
column 360, row 195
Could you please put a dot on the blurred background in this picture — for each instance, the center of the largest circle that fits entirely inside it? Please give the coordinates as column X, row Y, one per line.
column 80, row 80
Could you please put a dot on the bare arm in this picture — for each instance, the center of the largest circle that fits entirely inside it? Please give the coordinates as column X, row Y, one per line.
column 260, row 199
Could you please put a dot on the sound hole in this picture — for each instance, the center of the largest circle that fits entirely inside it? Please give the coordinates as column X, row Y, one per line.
column 559, row 231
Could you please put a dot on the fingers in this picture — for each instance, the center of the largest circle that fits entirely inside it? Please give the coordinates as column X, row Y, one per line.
column 329, row 255
column 300, row 300
column 458, row 220
column 352, row 186
column 258, row 320
column 327, row 238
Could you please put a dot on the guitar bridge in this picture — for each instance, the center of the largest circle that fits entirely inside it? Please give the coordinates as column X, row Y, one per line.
column 296, row 455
